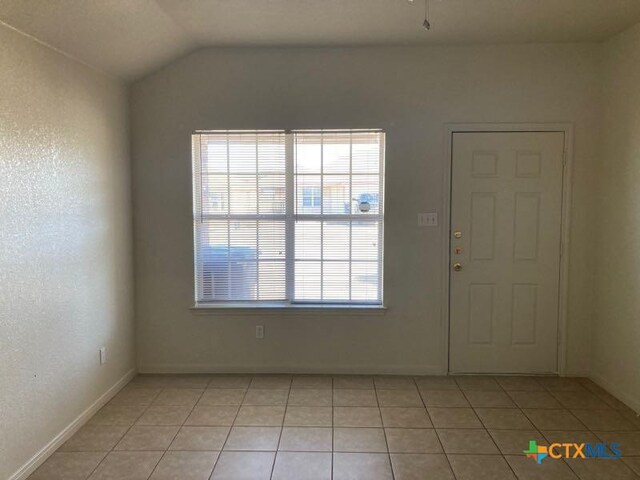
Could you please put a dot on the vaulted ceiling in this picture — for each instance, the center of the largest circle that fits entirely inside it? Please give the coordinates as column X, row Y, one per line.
column 129, row 38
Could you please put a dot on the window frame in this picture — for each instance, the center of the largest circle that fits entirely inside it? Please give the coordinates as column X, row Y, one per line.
column 290, row 218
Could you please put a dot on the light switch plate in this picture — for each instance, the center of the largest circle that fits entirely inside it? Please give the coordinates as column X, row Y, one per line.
column 428, row 219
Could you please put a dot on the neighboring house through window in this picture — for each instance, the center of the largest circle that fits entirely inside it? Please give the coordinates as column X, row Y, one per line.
column 311, row 197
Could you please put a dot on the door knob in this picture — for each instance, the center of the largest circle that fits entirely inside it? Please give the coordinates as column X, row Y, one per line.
column 457, row 267
column 457, row 234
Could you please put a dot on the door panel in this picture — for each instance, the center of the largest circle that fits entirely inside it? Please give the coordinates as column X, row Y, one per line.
column 481, row 313
column 506, row 203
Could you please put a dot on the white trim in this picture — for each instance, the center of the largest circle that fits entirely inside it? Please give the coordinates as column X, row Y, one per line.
column 327, row 369
column 618, row 391
column 289, row 225
column 282, row 309
column 48, row 450
column 564, row 127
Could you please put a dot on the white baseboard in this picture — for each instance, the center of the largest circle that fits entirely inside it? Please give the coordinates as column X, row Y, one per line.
column 618, row 391
column 299, row 369
column 39, row 458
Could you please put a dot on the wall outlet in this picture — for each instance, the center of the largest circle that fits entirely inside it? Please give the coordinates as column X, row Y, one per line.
column 259, row 331
column 103, row 355
column 428, row 219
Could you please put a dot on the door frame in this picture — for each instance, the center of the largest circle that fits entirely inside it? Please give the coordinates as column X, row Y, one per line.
column 564, row 127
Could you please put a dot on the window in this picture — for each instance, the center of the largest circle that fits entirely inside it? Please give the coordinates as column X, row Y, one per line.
column 288, row 217
column 311, row 197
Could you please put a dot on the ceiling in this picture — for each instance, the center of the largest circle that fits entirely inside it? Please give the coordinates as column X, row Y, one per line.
column 129, row 38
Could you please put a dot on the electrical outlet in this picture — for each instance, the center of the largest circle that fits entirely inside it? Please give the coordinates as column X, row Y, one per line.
column 103, row 355
column 260, row 331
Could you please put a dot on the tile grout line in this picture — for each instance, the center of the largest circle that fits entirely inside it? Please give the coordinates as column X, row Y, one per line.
column 230, row 428
column 386, row 441
column 486, row 429
column 284, row 416
column 179, row 428
column 436, row 432
column 331, row 474
column 146, row 407
column 484, row 425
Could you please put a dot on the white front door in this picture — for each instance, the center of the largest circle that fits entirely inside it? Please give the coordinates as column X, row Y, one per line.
column 506, row 204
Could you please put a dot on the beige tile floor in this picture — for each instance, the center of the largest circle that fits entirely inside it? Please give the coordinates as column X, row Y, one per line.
column 281, row 427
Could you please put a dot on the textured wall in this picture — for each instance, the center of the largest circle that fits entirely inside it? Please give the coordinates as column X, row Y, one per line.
column 616, row 358
column 409, row 92
column 65, row 236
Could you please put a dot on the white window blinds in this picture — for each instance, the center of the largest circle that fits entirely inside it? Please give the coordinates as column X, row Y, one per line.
column 288, row 217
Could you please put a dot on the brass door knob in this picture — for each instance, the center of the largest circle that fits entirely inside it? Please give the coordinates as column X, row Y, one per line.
column 457, row 234
column 457, row 267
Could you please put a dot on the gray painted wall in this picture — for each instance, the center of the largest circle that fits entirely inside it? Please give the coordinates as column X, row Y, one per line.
column 410, row 92
column 65, row 243
column 616, row 357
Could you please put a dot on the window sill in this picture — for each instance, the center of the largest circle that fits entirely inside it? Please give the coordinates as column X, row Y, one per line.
column 279, row 309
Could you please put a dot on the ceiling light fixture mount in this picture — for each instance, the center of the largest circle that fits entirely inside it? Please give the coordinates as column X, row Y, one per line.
column 426, row 24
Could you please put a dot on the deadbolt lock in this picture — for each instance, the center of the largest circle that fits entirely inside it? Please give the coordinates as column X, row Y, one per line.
column 457, row 234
